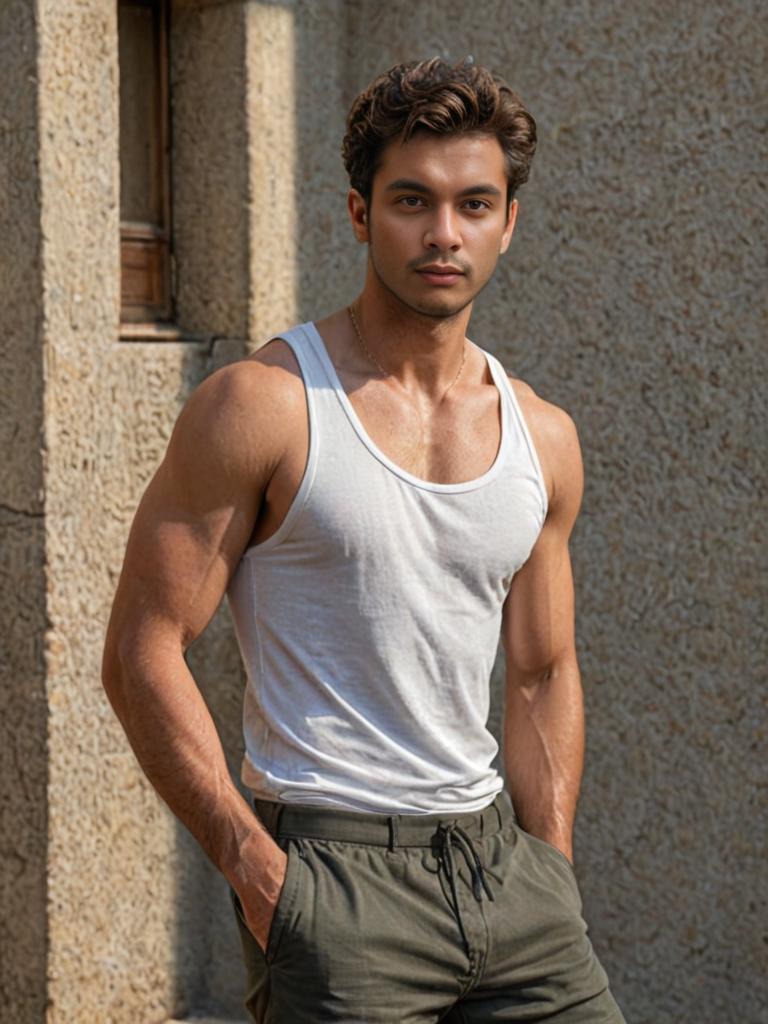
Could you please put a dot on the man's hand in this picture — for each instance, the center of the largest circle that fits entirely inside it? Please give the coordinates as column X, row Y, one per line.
column 259, row 897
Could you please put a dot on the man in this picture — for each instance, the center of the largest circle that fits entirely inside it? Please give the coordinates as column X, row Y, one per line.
column 379, row 499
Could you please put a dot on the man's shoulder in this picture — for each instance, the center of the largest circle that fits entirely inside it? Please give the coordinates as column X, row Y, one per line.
column 249, row 405
column 256, row 385
column 556, row 441
column 548, row 422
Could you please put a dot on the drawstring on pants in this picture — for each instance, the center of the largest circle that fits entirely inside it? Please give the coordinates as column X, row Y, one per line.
column 452, row 837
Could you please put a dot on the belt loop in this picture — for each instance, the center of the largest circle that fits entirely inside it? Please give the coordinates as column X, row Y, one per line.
column 392, row 822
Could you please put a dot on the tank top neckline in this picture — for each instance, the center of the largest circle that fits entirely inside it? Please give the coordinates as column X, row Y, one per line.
column 491, row 473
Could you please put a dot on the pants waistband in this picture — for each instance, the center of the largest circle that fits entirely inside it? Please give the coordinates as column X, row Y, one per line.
column 300, row 821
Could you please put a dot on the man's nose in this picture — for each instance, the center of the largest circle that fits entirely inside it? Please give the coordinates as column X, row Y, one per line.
column 443, row 231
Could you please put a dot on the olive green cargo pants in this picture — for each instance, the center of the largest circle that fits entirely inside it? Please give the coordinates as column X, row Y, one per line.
column 417, row 919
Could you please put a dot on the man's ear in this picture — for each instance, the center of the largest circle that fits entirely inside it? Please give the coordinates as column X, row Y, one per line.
column 506, row 238
column 358, row 214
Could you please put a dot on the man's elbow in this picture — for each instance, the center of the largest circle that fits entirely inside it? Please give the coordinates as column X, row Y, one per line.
column 536, row 675
column 115, row 670
column 124, row 662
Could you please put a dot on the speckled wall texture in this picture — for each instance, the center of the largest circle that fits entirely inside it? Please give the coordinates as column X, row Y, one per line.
column 633, row 295
column 23, row 761
column 109, row 407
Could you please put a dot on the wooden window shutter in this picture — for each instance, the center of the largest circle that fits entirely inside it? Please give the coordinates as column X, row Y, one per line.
column 145, row 173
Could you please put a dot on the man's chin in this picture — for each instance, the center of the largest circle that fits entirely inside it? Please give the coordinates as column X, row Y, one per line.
column 440, row 309
column 443, row 312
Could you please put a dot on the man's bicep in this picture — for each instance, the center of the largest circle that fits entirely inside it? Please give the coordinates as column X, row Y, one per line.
column 538, row 625
column 191, row 526
column 177, row 562
column 539, row 612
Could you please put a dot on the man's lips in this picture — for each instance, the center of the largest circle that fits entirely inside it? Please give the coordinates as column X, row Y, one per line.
column 438, row 273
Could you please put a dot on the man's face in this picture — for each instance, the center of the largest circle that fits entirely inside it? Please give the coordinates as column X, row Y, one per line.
column 438, row 220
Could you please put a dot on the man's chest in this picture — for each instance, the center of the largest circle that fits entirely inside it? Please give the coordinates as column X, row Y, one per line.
column 449, row 442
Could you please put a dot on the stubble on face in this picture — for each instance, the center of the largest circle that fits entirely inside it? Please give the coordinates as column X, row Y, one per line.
column 440, row 307
column 425, row 159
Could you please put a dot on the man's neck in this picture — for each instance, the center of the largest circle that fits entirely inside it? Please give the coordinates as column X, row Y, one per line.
column 423, row 352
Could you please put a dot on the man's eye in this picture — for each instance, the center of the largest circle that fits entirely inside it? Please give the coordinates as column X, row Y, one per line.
column 477, row 204
column 411, row 201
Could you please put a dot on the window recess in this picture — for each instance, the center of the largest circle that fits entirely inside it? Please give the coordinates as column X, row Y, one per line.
column 146, row 252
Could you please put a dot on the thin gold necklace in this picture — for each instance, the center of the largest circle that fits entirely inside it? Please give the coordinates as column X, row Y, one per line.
column 386, row 373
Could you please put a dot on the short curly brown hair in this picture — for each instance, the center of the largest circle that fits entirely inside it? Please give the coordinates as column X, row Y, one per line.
column 434, row 96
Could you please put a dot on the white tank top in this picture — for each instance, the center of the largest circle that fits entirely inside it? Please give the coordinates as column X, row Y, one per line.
column 369, row 622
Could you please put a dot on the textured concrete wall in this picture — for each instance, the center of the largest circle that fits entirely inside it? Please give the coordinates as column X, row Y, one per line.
column 210, row 176
column 23, row 714
column 631, row 297
column 139, row 923
column 112, row 848
column 273, row 167
column 330, row 264
column 634, row 296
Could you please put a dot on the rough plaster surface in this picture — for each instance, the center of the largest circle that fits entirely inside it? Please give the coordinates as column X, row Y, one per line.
column 139, row 924
column 23, row 765
column 23, row 762
column 209, row 166
column 273, row 168
column 634, row 296
column 21, row 404
column 631, row 297
column 113, row 861
column 331, row 266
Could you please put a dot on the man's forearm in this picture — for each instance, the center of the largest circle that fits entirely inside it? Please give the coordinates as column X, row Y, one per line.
column 176, row 742
column 544, row 751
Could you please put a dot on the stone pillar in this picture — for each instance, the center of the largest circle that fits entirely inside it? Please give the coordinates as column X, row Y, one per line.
column 108, row 410
column 97, row 879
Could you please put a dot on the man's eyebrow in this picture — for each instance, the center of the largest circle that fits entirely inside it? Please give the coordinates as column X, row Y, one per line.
column 481, row 190
column 410, row 185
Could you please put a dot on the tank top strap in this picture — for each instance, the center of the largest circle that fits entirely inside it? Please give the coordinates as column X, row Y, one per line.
column 513, row 419
column 301, row 340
